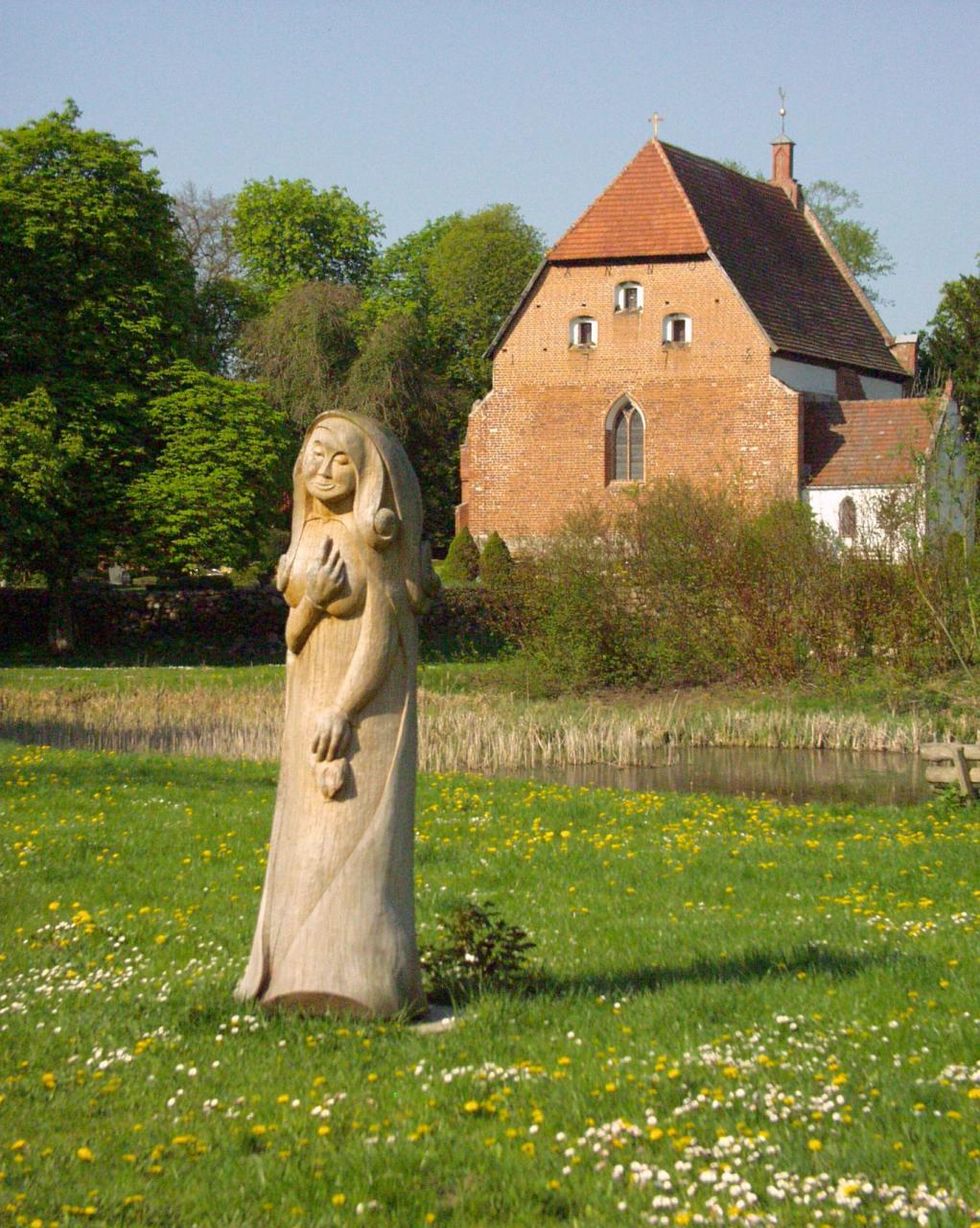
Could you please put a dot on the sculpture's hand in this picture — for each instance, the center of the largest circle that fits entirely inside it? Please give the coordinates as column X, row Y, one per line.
column 331, row 736
column 282, row 573
column 326, row 582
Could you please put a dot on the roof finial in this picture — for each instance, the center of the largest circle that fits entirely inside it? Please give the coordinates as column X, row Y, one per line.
column 782, row 111
column 656, row 119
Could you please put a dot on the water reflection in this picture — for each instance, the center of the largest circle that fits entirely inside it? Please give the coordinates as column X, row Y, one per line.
column 788, row 775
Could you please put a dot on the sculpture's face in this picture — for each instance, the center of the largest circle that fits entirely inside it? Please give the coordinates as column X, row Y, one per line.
column 329, row 472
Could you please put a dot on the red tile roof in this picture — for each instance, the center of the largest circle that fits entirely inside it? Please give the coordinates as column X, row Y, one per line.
column 865, row 443
column 643, row 212
column 668, row 202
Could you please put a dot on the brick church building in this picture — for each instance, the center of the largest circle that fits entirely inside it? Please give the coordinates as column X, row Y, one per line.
column 693, row 323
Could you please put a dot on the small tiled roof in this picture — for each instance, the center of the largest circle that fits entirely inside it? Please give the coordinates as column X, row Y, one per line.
column 866, row 443
column 668, row 202
column 643, row 212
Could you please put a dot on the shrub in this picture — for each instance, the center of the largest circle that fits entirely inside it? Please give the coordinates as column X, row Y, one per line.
column 688, row 586
column 496, row 564
column 462, row 565
column 476, row 950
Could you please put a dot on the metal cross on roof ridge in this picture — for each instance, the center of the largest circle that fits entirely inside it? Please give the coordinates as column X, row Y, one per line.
column 656, row 119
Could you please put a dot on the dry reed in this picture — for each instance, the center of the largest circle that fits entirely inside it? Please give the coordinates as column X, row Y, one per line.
column 457, row 732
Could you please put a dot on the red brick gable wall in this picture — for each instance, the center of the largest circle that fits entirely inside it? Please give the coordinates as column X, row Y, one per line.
column 536, row 445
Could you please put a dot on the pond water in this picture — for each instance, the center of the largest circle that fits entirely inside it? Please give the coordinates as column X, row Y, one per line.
column 859, row 778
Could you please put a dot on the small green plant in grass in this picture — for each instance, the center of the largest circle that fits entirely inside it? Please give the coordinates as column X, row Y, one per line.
column 462, row 565
column 476, row 950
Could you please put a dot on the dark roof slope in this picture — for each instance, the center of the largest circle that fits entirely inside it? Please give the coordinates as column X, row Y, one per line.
column 779, row 266
column 866, row 443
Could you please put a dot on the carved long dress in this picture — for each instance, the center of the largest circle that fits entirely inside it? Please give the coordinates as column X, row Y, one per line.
column 336, row 925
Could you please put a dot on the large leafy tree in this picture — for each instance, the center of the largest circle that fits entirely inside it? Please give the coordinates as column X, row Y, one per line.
column 96, row 293
column 399, row 281
column 303, row 346
column 866, row 256
column 218, row 448
column 286, row 232
column 951, row 345
column 475, row 273
column 393, row 379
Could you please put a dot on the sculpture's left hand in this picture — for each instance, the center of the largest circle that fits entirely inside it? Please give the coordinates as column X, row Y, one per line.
column 331, row 737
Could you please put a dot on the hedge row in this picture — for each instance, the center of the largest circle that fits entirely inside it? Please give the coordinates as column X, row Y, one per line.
column 212, row 625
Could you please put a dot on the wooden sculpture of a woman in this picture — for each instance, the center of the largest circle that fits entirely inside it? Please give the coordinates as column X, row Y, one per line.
column 336, row 924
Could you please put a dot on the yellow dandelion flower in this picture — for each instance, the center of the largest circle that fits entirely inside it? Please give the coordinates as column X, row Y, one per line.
column 815, row 1144
column 338, row 1200
column 85, row 1155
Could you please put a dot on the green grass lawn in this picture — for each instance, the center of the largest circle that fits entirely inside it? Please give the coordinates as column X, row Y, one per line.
column 742, row 1012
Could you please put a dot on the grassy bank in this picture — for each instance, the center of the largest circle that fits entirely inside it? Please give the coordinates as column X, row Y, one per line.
column 742, row 1011
column 478, row 717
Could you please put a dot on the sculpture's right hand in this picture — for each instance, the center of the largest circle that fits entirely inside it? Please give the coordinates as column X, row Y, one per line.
column 331, row 736
column 325, row 582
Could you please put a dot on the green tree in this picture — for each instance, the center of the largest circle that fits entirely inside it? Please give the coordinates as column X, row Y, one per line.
column 302, row 348
column 399, row 279
column 219, row 453
column 462, row 564
column 286, row 232
column 476, row 271
column 496, row 564
column 393, row 380
column 96, row 294
column 223, row 308
column 95, row 282
column 865, row 254
column 951, row 345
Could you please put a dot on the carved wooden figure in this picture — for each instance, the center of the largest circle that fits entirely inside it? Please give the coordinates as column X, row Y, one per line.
column 336, row 924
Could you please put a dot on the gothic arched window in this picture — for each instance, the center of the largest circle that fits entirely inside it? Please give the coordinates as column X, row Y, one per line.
column 627, row 444
column 847, row 518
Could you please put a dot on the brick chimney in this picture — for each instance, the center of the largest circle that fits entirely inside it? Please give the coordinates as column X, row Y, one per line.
column 905, row 349
column 782, row 170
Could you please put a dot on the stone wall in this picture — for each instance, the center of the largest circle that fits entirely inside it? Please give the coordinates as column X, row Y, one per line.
column 226, row 625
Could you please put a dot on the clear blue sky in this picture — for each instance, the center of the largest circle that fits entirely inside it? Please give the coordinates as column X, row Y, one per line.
column 423, row 108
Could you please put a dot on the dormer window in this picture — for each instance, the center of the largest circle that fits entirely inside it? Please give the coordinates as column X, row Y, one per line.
column 677, row 329
column 629, row 296
column 583, row 332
